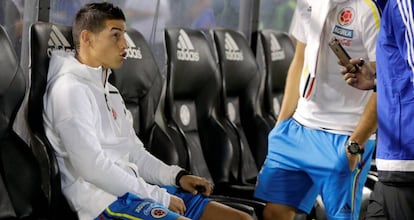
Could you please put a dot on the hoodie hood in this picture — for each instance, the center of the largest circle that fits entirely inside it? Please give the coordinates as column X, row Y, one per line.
column 64, row 63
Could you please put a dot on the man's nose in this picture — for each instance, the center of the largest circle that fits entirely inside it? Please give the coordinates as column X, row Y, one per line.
column 123, row 42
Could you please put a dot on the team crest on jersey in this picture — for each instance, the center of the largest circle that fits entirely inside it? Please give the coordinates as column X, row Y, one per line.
column 346, row 16
column 158, row 213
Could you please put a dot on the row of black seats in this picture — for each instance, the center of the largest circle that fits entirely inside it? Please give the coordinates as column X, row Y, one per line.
column 198, row 117
column 225, row 95
column 209, row 117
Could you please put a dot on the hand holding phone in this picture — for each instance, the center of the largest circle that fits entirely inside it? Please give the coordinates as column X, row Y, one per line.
column 341, row 54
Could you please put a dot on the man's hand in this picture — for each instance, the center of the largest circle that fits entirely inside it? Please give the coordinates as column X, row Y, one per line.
column 363, row 78
column 352, row 159
column 195, row 184
column 177, row 205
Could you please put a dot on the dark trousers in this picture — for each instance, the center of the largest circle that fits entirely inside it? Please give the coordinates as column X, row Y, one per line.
column 391, row 203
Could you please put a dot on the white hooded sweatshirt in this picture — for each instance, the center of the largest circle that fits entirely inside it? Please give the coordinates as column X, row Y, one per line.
column 99, row 155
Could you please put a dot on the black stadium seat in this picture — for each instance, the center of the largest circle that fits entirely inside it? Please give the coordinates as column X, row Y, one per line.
column 44, row 38
column 192, row 96
column 141, row 84
column 242, row 88
column 194, row 89
column 278, row 49
column 21, row 195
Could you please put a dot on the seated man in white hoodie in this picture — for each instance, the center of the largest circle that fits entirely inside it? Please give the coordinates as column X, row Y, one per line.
column 105, row 171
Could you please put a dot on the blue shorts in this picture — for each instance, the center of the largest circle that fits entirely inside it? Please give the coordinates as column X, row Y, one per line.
column 303, row 162
column 129, row 206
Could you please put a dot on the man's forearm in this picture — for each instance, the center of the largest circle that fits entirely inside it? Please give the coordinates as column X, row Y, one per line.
column 368, row 122
column 291, row 94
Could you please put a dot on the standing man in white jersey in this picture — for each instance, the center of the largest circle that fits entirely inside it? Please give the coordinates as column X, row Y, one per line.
column 321, row 143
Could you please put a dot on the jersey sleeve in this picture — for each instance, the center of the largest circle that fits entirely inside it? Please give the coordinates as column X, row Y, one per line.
column 370, row 25
column 301, row 21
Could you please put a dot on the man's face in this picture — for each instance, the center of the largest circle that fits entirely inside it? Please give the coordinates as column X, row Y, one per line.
column 108, row 46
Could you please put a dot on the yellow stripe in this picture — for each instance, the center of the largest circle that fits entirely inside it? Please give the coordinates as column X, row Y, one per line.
column 374, row 12
column 354, row 185
column 306, row 70
column 122, row 215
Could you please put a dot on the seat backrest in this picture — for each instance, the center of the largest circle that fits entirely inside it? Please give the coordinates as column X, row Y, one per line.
column 192, row 101
column 279, row 49
column 242, row 95
column 20, row 185
column 141, row 83
column 44, row 38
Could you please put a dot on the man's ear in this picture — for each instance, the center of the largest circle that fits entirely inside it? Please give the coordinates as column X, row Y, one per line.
column 86, row 38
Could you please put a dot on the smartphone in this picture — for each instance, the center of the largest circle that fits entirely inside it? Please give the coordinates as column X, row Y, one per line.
column 341, row 54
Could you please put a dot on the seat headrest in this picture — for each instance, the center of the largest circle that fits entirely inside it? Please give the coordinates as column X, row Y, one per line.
column 278, row 51
column 191, row 62
column 139, row 71
column 237, row 61
column 44, row 38
column 12, row 83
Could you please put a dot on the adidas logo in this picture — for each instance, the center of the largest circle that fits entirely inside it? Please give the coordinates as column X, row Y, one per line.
column 276, row 50
column 186, row 50
column 346, row 209
column 231, row 49
column 133, row 51
column 57, row 41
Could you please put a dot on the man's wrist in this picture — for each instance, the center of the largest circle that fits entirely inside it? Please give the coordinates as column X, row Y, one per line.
column 179, row 175
column 354, row 147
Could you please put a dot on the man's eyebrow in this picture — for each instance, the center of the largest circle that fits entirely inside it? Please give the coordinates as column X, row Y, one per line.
column 117, row 29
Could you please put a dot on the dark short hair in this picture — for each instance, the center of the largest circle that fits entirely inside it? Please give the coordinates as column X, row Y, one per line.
column 92, row 17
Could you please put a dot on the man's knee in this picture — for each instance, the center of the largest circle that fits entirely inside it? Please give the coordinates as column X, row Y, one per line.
column 278, row 211
column 215, row 210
